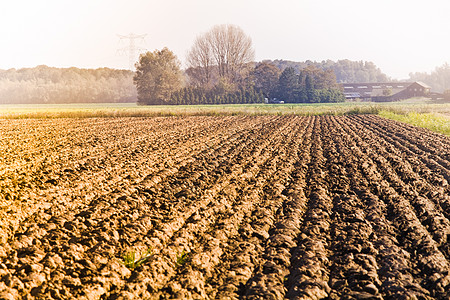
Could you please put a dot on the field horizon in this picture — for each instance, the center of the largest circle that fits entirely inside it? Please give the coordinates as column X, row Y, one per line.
column 420, row 112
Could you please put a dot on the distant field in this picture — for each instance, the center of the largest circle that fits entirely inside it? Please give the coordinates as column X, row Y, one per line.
column 410, row 111
column 131, row 109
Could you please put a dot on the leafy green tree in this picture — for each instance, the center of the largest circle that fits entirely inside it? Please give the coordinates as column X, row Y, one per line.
column 320, row 78
column 345, row 70
column 309, row 88
column 266, row 77
column 287, row 85
column 312, row 85
column 158, row 76
column 387, row 92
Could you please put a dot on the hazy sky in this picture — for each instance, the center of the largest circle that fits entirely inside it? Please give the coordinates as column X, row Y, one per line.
column 399, row 36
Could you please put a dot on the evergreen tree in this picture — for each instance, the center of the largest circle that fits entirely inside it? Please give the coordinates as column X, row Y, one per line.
column 309, row 89
column 287, row 84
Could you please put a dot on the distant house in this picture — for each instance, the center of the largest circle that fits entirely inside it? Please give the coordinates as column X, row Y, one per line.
column 417, row 89
column 384, row 92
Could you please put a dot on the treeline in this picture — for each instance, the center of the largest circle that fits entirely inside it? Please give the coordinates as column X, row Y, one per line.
column 311, row 85
column 198, row 95
column 44, row 84
column 346, row 71
column 253, row 83
column 221, row 70
column 438, row 80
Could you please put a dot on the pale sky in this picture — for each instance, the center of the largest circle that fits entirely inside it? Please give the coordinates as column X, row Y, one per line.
column 399, row 36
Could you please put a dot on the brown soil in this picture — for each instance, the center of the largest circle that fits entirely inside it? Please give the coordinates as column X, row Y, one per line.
column 262, row 207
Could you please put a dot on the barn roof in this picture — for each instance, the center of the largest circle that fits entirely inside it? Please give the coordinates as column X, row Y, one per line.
column 423, row 84
column 373, row 90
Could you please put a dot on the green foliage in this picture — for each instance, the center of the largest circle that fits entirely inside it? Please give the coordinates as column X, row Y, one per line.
column 218, row 95
column 363, row 110
column 132, row 262
column 265, row 77
column 312, row 85
column 182, row 258
column 434, row 122
column 158, row 75
column 344, row 70
column 288, row 85
column 89, row 110
column 387, row 92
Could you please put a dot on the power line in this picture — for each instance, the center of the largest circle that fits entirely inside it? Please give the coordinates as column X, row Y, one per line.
column 132, row 48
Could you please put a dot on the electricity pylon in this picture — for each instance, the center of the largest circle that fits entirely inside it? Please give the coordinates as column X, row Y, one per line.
column 132, row 49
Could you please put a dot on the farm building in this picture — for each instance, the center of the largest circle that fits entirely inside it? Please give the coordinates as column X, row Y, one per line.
column 384, row 92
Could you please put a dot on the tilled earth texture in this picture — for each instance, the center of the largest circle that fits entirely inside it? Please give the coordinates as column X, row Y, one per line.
column 274, row 207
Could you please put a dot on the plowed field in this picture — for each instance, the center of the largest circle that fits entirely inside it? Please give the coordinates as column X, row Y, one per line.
column 272, row 207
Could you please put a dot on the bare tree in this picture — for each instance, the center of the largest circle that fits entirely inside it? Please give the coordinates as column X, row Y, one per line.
column 226, row 48
column 200, row 62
